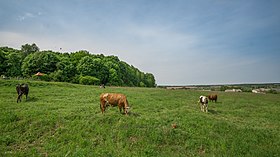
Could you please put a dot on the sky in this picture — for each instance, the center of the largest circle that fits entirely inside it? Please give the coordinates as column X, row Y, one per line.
column 181, row 42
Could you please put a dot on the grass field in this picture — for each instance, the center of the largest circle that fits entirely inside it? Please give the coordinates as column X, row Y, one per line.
column 62, row 119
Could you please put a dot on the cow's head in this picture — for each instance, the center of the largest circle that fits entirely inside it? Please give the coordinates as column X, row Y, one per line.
column 126, row 109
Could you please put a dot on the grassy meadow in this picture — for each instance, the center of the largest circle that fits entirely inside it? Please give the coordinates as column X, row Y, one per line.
column 62, row 119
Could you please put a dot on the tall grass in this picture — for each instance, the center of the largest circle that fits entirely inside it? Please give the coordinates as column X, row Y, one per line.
column 61, row 119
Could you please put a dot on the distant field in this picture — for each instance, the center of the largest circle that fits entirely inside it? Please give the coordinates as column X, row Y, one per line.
column 62, row 119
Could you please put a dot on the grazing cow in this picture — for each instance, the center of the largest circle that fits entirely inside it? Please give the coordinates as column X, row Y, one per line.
column 113, row 99
column 203, row 100
column 22, row 89
column 213, row 97
column 102, row 86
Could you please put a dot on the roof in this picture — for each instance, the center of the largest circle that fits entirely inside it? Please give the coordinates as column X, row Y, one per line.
column 39, row 74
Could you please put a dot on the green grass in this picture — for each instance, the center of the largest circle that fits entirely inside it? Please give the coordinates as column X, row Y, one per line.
column 62, row 119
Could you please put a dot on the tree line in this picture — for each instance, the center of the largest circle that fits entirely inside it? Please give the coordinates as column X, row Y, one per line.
column 78, row 67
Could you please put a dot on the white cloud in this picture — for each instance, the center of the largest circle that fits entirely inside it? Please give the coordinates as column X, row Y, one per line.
column 28, row 15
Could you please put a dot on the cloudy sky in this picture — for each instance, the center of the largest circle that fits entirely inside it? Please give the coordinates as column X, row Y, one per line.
column 181, row 42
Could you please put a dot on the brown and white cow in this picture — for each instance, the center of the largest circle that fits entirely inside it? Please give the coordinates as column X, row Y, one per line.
column 213, row 97
column 203, row 100
column 22, row 89
column 113, row 99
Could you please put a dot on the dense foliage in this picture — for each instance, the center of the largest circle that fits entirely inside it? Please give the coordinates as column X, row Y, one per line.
column 77, row 67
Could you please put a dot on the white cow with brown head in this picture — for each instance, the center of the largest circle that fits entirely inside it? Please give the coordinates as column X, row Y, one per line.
column 203, row 100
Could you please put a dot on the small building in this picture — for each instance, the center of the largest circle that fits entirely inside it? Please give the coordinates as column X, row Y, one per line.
column 256, row 91
column 233, row 90
column 39, row 74
column 260, row 90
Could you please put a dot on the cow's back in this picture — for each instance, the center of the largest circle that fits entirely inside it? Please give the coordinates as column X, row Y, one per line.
column 25, row 89
column 22, row 89
column 116, row 99
column 213, row 97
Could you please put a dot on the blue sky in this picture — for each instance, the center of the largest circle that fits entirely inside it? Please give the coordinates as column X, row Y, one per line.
column 181, row 42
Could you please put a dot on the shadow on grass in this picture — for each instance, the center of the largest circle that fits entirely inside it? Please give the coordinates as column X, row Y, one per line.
column 213, row 112
column 32, row 99
column 218, row 102
column 133, row 114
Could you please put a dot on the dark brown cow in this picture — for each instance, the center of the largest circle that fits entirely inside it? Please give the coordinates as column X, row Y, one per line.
column 22, row 89
column 113, row 99
column 213, row 97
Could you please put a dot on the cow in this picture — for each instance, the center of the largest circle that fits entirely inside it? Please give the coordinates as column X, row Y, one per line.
column 102, row 86
column 213, row 97
column 203, row 100
column 113, row 99
column 22, row 89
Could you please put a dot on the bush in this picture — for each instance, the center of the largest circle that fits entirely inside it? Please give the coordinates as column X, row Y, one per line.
column 58, row 76
column 75, row 79
column 223, row 88
column 272, row 91
column 89, row 80
column 142, row 84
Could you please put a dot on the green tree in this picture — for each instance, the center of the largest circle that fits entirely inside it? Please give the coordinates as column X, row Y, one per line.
column 77, row 56
column 44, row 62
column 88, row 66
column 112, row 63
column 28, row 49
column 70, row 67
column 13, row 62
column 65, row 70
column 150, row 80
column 3, row 64
column 125, row 74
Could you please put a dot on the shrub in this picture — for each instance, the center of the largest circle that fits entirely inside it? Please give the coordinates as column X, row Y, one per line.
column 272, row 91
column 142, row 84
column 75, row 79
column 89, row 80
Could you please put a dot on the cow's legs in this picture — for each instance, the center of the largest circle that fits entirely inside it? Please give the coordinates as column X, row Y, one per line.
column 120, row 108
column 102, row 107
column 19, row 97
column 201, row 107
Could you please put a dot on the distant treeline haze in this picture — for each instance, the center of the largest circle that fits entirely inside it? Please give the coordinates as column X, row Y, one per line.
column 78, row 67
